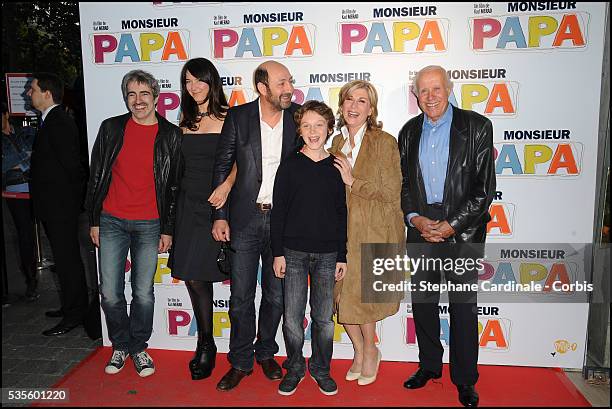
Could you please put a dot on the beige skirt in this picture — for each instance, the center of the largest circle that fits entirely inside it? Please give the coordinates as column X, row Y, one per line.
column 347, row 295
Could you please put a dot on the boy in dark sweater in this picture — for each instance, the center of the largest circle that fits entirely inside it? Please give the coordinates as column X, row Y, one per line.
column 308, row 232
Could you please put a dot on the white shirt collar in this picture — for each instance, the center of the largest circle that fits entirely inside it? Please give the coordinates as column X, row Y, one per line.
column 358, row 135
column 346, row 148
column 46, row 112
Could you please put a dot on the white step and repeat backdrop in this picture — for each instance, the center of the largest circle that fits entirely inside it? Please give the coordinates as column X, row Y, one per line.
column 533, row 68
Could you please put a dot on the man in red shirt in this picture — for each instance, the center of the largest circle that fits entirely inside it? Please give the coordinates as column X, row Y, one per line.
column 131, row 200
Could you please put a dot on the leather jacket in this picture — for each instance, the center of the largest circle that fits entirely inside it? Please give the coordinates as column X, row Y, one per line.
column 166, row 166
column 470, row 183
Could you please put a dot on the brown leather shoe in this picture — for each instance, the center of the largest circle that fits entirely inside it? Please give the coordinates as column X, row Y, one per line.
column 271, row 369
column 231, row 379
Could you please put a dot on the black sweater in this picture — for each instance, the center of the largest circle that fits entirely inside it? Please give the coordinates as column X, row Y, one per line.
column 309, row 212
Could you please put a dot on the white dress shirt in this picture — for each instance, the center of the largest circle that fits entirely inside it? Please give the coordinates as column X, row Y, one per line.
column 271, row 149
column 346, row 148
column 46, row 112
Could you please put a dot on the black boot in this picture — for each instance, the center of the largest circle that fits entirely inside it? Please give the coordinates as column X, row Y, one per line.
column 197, row 356
column 204, row 366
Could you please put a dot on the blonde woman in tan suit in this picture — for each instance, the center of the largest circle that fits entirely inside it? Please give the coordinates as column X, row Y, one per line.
column 368, row 160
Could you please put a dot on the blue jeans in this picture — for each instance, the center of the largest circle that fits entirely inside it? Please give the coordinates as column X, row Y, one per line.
column 141, row 237
column 322, row 268
column 249, row 244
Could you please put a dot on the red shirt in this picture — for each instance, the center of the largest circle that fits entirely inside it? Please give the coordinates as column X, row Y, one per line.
column 131, row 194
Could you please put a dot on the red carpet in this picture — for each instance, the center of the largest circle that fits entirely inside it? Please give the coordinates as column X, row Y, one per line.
column 171, row 385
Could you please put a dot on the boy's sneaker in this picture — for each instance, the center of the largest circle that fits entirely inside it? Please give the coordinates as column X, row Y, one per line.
column 289, row 384
column 327, row 385
column 143, row 364
column 116, row 363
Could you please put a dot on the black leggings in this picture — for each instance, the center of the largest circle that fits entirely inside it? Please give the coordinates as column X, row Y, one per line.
column 201, row 294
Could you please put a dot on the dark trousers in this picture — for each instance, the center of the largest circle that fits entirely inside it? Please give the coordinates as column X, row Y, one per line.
column 250, row 244
column 463, row 315
column 63, row 238
column 21, row 212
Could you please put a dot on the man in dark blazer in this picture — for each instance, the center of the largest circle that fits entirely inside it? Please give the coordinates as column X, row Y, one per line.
column 256, row 136
column 57, row 186
column 448, row 185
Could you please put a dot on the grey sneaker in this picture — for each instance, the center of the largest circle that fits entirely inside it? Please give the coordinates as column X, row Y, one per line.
column 327, row 385
column 116, row 363
column 289, row 384
column 143, row 364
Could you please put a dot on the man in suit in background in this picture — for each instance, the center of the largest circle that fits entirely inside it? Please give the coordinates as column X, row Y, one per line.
column 57, row 185
column 448, row 185
column 256, row 136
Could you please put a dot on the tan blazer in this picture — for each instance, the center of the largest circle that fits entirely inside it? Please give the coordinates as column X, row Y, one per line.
column 374, row 216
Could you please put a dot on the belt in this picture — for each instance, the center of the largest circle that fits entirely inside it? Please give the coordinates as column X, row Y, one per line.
column 264, row 207
column 437, row 205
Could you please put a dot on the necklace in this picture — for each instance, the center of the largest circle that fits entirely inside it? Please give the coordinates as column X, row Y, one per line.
column 201, row 115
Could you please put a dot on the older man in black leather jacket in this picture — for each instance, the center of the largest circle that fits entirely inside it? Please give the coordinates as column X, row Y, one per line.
column 448, row 185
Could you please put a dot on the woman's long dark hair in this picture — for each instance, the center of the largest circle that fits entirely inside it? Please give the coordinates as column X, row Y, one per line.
column 205, row 71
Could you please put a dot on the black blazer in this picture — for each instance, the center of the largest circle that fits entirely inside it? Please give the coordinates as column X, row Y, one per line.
column 58, row 178
column 470, row 184
column 240, row 142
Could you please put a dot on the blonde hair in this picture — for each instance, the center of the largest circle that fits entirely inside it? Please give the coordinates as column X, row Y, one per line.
column 347, row 90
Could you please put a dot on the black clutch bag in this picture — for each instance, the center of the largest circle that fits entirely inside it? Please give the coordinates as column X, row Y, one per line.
column 223, row 259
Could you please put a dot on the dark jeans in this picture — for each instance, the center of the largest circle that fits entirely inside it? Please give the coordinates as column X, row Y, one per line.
column 463, row 311
column 249, row 244
column 322, row 269
column 141, row 237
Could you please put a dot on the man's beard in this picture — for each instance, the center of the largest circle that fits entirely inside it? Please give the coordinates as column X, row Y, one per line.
column 277, row 102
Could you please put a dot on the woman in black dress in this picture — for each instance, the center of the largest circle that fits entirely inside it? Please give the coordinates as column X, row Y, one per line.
column 194, row 252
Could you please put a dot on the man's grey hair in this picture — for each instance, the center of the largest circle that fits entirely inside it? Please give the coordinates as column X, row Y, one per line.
column 141, row 77
column 415, row 89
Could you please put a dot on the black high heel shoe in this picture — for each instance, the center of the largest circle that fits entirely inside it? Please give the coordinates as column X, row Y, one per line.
column 204, row 366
